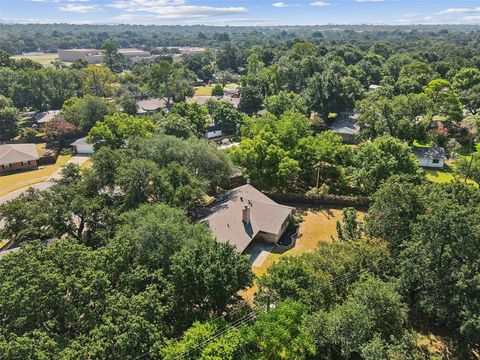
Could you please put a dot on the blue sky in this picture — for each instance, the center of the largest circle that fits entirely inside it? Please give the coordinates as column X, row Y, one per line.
column 243, row 12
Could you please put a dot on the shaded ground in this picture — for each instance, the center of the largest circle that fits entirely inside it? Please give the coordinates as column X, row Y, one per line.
column 318, row 225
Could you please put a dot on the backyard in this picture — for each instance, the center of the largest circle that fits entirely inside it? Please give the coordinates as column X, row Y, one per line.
column 317, row 225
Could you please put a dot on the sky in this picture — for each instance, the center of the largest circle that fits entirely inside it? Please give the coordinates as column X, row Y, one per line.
column 242, row 12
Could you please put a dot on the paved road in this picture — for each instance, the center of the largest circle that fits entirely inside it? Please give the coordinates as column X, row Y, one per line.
column 77, row 159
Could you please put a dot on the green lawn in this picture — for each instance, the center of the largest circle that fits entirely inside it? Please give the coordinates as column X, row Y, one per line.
column 203, row 90
column 445, row 176
column 417, row 143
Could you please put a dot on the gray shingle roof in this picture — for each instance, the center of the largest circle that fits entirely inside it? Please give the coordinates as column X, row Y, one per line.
column 429, row 152
column 346, row 124
column 226, row 223
column 47, row 116
column 81, row 141
column 14, row 153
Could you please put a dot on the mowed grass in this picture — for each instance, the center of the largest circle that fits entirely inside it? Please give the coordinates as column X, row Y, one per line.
column 207, row 90
column 203, row 90
column 44, row 59
column 318, row 225
column 15, row 181
column 445, row 175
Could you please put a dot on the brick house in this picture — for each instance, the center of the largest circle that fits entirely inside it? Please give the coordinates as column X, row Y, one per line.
column 18, row 157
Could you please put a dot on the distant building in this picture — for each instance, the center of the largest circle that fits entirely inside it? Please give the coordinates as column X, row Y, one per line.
column 430, row 157
column 346, row 126
column 94, row 56
column 18, row 157
column 245, row 214
column 373, row 87
column 82, row 147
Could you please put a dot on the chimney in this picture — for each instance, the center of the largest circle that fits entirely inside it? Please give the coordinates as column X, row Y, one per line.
column 246, row 214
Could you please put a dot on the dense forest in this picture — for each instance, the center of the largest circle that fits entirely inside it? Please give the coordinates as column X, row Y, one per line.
column 113, row 265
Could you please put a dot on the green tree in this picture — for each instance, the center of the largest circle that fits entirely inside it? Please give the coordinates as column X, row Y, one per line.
column 374, row 310
column 284, row 101
column 414, row 76
column 225, row 115
column 112, row 59
column 114, row 130
column 128, row 104
column 86, row 111
column 176, row 125
column 197, row 116
column 251, row 99
column 349, row 229
column 380, row 159
column 445, row 100
column 171, row 82
column 217, row 90
column 97, row 80
column 467, row 85
column 9, row 119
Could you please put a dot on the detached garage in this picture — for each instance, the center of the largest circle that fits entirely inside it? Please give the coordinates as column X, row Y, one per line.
column 82, row 147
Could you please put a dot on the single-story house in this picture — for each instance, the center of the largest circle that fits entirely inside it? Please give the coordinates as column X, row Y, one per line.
column 244, row 214
column 81, row 146
column 373, row 87
column 18, row 157
column 430, row 157
column 214, row 131
column 46, row 116
column 150, row 105
column 346, row 126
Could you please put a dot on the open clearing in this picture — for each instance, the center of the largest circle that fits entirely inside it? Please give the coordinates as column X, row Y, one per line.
column 44, row 59
column 318, row 225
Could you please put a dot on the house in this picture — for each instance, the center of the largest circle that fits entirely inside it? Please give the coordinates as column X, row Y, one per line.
column 346, row 126
column 81, row 146
column 214, row 131
column 150, row 105
column 430, row 157
column 46, row 116
column 373, row 87
column 245, row 214
column 18, row 157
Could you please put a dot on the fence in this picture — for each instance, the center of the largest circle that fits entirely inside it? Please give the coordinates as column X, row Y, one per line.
column 332, row 200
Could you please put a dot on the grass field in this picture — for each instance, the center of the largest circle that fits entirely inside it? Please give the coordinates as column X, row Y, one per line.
column 15, row 181
column 44, row 59
column 318, row 225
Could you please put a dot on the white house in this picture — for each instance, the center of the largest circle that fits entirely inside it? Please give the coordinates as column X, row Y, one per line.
column 81, row 147
column 214, row 131
column 430, row 157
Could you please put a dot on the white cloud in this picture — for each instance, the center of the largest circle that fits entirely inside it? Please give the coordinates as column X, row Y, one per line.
column 459, row 11
column 281, row 4
column 471, row 18
column 169, row 10
column 81, row 9
column 320, row 3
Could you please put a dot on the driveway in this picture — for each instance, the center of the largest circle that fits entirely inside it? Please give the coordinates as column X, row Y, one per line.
column 77, row 159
